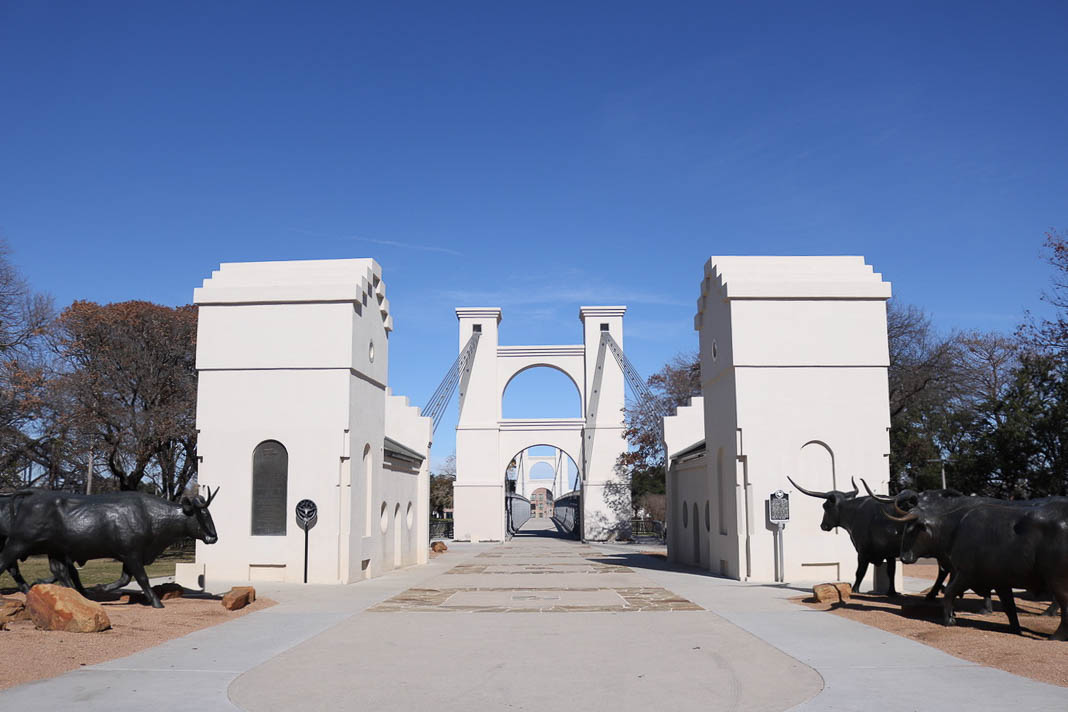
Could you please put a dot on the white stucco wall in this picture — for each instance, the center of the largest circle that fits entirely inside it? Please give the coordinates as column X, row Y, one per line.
column 284, row 353
column 793, row 366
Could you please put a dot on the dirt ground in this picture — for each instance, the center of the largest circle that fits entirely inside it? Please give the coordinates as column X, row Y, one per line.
column 984, row 639
column 31, row 654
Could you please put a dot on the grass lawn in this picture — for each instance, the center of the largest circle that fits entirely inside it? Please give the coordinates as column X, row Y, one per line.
column 97, row 570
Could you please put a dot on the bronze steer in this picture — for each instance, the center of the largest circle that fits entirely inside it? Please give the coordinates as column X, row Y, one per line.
column 995, row 545
column 132, row 527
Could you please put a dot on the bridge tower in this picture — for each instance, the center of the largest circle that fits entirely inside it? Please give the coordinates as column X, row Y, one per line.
column 486, row 442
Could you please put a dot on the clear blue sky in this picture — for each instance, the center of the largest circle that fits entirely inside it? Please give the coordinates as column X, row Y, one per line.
column 535, row 159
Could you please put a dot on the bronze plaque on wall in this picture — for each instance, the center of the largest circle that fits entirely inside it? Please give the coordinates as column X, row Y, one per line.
column 270, row 475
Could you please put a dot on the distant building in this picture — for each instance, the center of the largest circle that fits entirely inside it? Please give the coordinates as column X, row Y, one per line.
column 541, row 503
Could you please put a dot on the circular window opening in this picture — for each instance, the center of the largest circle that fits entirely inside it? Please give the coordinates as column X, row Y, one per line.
column 708, row 517
column 409, row 517
column 383, row 518
column 371, row 352
column 685, row 515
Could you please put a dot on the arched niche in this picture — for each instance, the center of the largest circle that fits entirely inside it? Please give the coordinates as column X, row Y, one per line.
column 816, row 466
column 815, row 469
column 270, row 488
column 545, row 390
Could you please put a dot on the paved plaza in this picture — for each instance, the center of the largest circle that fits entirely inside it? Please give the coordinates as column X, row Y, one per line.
column 534, row 622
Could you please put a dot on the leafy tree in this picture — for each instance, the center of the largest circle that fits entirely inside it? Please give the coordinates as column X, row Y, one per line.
column 1015, row 444
column 126, row 388
column 921, row 377
column 441, row 483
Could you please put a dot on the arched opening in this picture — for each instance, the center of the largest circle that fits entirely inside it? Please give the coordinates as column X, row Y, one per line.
column 721, row 493
column 541, row 392
column 270, row 488
column 540, row 493
column 696, row 536
column 368, row 481
column 398, row 551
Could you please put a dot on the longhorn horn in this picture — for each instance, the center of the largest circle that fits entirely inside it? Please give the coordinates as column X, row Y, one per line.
column 855, row 490
column 810, row 493
column 211, row 496
column 903, row 516
column 877, row 497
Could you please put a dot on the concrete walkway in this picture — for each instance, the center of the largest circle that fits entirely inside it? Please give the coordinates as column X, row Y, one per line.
column 534, row 622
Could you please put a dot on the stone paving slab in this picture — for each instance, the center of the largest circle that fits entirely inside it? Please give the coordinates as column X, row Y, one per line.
column 545, row 599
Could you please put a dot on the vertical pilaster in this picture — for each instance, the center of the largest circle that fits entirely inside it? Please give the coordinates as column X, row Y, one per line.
column 606, row 508
column 478, row 493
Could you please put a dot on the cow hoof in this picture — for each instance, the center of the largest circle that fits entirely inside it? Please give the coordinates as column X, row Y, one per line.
column 893, row 594
column 157, row 604
column 951, row 621
column 1059, row 635
column 930, row 596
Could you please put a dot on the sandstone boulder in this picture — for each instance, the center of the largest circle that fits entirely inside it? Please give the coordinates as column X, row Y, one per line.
column 831, row 592
column 238, row 597
column 12, row 609
column 54, row 607
column 167, row 591
column 164, row 591
column 438, row 547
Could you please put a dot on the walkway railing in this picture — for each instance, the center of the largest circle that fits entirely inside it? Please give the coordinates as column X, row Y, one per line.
column 648, row 529
column 441, row 529
column 516, row 512
column 567, row 514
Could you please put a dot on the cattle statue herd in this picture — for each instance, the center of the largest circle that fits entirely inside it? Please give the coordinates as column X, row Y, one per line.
column 981, row 543
column 132, row 527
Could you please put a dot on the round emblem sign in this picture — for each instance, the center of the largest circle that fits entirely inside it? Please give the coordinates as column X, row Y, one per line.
column 306, row 512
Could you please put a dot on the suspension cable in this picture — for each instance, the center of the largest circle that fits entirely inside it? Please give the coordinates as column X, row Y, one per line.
column 439, row 401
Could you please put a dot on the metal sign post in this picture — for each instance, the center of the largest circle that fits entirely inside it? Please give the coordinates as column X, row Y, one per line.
column 307, row 513
column 779, row 515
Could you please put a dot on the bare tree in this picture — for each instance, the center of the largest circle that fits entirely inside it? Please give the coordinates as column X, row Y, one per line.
column 641, row 469
column 1052, row 334
column 24, row 321
column 921, row 360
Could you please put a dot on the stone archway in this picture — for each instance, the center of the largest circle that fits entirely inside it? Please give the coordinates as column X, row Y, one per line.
column 486, row 442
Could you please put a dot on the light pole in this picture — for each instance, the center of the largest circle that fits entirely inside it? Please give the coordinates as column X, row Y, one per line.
column 941, row 462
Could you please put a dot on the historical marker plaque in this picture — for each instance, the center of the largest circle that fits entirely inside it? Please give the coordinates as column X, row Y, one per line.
column 270, row 475
column 779, row 507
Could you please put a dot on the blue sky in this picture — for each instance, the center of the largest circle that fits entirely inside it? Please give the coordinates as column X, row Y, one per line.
column 535, row 158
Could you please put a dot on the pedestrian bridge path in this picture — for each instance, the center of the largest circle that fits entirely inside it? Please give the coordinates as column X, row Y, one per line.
column 539, row 622
column 536, row 621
